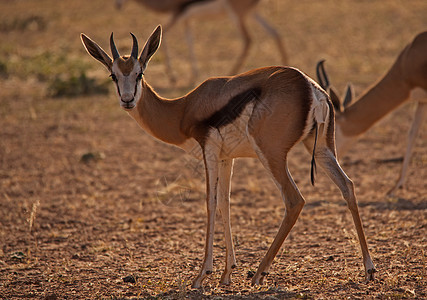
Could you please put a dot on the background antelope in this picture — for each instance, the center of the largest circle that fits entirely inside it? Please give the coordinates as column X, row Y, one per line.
column 185, row 10
column 266, row 111
column 406, row 79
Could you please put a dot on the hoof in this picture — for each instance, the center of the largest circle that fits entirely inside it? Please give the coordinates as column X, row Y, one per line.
column 226, row 276
column 225, row 279
column 197, row 283
column 256, row 282
column 370, row 274
column 258, row 279
column 225, row 282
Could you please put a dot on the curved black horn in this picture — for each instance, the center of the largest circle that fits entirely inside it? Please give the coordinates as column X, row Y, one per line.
column 134, row 53
column 322, row 77
column 113, row 48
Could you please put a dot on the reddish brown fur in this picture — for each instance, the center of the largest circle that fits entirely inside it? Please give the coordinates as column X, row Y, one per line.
column 408, row 71
column 284, row 110
column 125, row 65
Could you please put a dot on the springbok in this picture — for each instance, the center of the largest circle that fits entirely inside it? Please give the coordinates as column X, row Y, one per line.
column 262, row 113
column 237, row 10
column 406, row 79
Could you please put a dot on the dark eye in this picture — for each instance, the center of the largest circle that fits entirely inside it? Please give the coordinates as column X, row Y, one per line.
column 139, row 77
column 113, row 77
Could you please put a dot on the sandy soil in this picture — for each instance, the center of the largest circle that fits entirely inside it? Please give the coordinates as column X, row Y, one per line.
column 91, row 207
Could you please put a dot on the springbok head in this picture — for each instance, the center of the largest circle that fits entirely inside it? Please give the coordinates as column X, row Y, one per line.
column 126, row 71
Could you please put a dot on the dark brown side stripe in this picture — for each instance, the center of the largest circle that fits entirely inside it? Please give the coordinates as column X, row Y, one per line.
column 233, row 109
column 226, row 115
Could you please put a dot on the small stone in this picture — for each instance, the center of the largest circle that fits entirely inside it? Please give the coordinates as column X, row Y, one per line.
column 129, row 279
column 18, row 255
column 51, row 297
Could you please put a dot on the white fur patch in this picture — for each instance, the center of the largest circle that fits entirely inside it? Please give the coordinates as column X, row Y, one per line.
column 319, row 111
column 234, row 136
column 127, row 84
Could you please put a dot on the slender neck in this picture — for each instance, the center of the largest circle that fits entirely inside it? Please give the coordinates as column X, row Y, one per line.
column 390, row 92
column 159, row 116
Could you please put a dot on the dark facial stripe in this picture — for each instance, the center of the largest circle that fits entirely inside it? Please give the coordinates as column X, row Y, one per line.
column 136, row 88
column 233, row 109
column 134, row 92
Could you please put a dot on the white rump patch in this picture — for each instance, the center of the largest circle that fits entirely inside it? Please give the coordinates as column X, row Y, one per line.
column 319, row 111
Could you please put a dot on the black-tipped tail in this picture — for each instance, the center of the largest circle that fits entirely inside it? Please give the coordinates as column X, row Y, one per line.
column 313, row 161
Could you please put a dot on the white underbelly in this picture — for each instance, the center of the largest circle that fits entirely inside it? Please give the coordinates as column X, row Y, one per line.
column 235, row 142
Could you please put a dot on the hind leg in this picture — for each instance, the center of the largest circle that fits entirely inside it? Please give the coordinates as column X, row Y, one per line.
column 329, row 163
column 294, row 202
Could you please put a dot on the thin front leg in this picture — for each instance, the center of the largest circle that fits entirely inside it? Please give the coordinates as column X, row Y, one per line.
column 225, row 171
column 211, row 165
column 412, row 136
column 328, row 162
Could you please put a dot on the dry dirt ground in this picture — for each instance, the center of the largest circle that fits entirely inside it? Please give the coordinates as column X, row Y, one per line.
column 92, row 208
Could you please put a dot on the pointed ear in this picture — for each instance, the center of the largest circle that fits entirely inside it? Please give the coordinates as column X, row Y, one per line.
column 150, row 47
column 348, row 96
column 96, row 51
column 335, row 100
